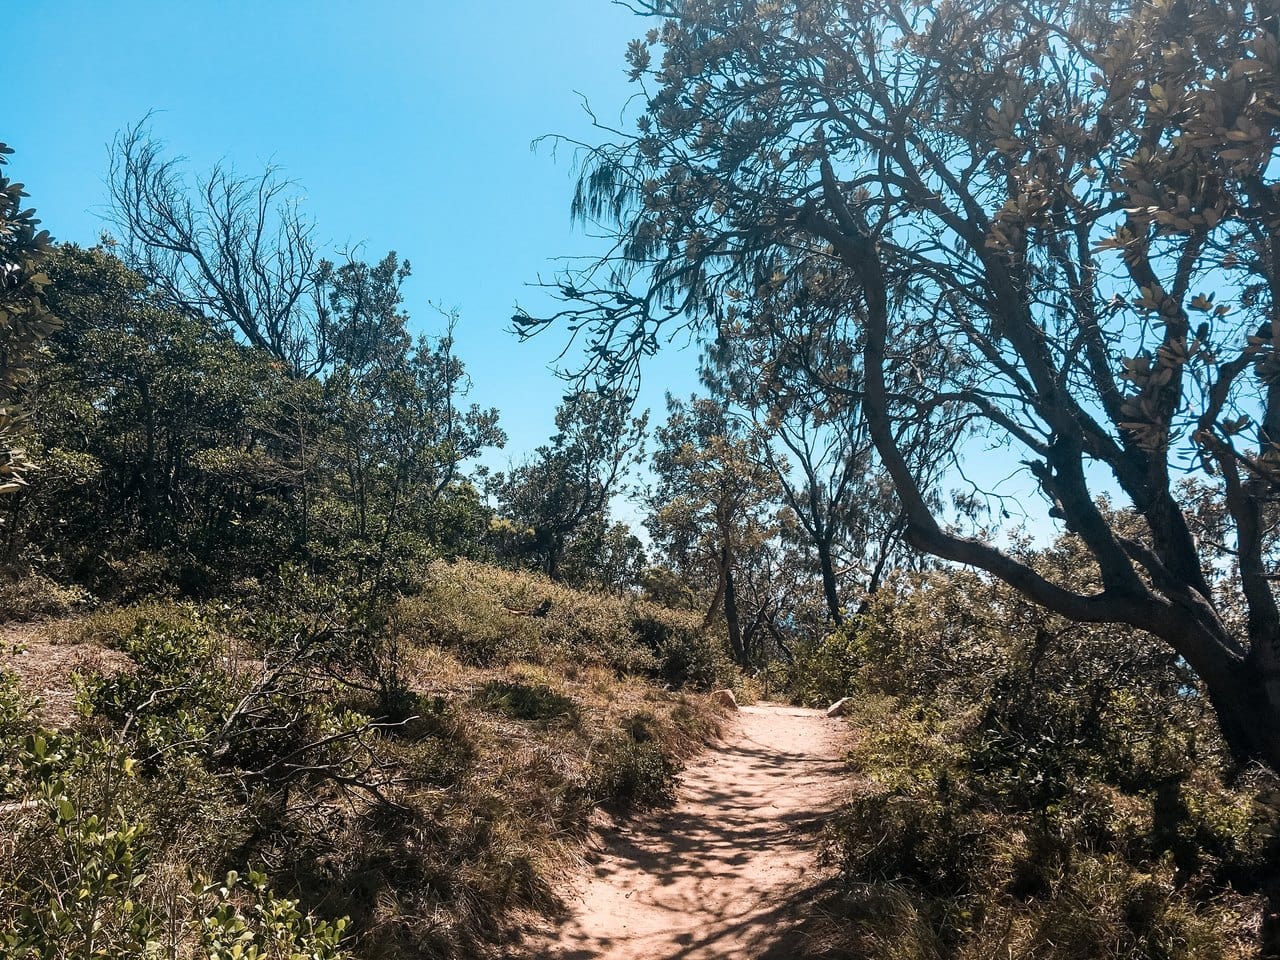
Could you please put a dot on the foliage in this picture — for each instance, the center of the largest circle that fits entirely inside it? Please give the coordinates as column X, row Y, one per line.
column 1049, row 223
column 174, row 458
column 1025, row 781
column 25, row 318
column 635, row 771
column 711, row 516
column 487, row 616
column 247, row 735
column 563, row 489
column 81, row 876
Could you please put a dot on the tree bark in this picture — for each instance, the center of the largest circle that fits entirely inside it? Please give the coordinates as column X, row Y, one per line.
column 732, row 620
column 830, row 589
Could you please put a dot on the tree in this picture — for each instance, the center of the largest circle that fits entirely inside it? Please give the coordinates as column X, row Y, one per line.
column 1055, row 223
column 25, row 320
column 714, row 507
column 569, row 481
column 396, row 402
column 162, row 434
column 156, row 431
column 234, row 247
column 817, row 447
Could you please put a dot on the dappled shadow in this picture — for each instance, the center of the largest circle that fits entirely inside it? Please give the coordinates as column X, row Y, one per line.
column 726, row 872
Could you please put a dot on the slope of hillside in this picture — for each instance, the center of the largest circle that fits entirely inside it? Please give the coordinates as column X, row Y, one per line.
column 427, row 769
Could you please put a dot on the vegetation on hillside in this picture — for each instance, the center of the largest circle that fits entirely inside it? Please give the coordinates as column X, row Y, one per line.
column 296, row 672
column 423, row 768
column 1023, row 786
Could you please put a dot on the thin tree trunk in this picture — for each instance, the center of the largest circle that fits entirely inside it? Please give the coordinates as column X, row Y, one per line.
column 731, row 619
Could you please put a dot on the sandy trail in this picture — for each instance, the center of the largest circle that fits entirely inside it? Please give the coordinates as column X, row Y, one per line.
column 723, row 873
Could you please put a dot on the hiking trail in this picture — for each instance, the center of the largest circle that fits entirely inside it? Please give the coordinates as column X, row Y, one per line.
column 725, row 872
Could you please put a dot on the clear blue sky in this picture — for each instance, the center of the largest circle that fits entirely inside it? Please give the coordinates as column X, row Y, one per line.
column 406, row 123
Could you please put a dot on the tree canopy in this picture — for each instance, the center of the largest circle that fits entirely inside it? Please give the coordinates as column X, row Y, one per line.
column 25, row 320
column 1050, row 222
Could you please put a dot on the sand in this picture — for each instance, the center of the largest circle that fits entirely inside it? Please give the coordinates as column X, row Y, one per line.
column 726, row 871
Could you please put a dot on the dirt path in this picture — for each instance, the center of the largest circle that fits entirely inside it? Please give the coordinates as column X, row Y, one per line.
column 721, row 874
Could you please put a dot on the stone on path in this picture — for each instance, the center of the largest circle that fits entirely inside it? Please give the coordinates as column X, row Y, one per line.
column 840, row 707
column 725, row 698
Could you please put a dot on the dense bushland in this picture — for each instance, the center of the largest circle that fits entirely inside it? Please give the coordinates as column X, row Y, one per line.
column 1027, row 787
column 423, row 766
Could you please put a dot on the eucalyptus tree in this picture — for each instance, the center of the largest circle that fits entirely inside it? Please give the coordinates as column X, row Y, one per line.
column 714, row 505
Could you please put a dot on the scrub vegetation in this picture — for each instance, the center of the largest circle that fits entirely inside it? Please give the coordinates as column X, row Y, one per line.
column 291, row 669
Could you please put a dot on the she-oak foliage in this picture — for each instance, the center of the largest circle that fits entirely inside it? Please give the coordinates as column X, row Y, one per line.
column 1054, row 222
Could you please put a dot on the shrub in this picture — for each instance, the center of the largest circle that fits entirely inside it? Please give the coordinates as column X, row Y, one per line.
column 491, row 617
column 523, row 701
column 35, row 596
column 685, row 654
column 78, row 877
column 633, row 769
column 1031, row 788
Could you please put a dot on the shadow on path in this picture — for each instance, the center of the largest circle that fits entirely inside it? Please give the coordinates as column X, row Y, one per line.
column 727, row 871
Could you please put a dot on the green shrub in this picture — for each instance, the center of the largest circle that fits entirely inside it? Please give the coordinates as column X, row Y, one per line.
column 686, row 655
column 79, row 877
column 1031, row 788
column 633, row 769
column 489, row 617
column 178, row 693
column 523, row 701
column 35, row 596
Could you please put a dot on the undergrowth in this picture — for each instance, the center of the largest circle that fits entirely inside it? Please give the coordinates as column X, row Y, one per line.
column 396, row 776
column 1025, row 788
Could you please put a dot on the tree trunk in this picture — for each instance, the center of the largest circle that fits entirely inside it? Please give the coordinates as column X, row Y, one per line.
column 150, row 501
column 1248, row 710
column 554, row 549
column 731, row 618
column 829, row 589
column 722, row 572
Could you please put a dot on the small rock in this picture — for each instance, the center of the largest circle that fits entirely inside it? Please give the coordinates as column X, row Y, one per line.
column 840, row 707
column 725, row 698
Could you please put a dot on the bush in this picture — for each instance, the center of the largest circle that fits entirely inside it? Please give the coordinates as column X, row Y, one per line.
column 686, row 655
column 535, row 702
column 492, row 617
column 35, row 596
column 1033, row 788
column 633, row 768
column 79, row 876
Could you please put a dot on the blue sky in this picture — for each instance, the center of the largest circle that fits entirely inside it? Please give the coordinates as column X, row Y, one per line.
column 407, row 126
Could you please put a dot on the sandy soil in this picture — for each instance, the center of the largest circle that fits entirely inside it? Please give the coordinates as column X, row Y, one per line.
column 726, row 871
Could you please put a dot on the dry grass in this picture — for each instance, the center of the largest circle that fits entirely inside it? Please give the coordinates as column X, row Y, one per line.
column 522, row 727
column 47, row 668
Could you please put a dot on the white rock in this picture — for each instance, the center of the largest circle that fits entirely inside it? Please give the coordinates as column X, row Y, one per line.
column 840, row 707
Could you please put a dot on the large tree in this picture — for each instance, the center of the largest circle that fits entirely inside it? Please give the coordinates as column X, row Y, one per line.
column 1052, row 220
column 25, row 319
